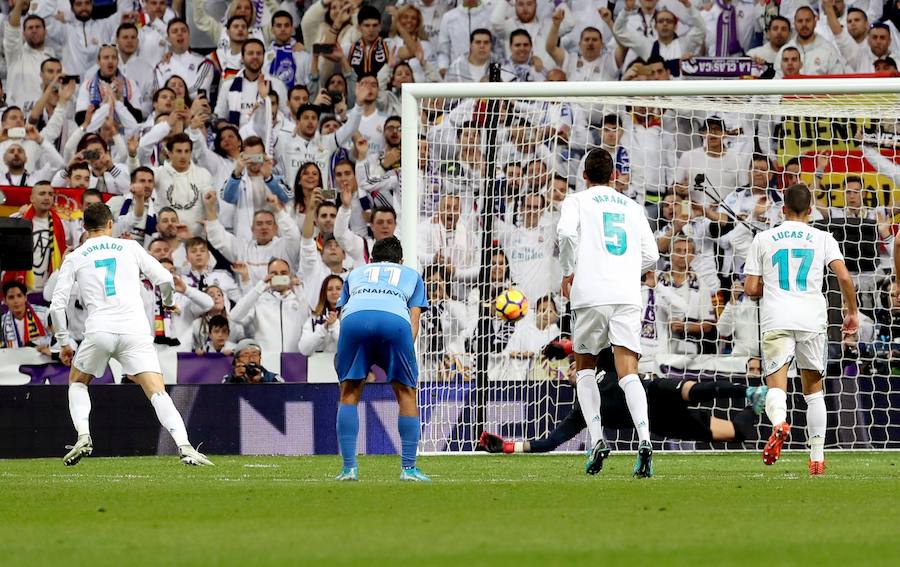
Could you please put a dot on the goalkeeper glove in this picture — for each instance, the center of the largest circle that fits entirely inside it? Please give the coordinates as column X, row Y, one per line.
column 495, row 444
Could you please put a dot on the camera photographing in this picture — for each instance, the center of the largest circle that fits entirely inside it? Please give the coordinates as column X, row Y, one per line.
column 335, row 96
column 699, row 180
column 252, row 371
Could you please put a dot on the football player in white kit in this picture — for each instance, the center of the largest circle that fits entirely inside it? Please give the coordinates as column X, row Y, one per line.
column 605, row 248
column 786, row 267
column 108, row 271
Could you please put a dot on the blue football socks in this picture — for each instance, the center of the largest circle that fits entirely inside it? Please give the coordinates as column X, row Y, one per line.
column 348, row 431
column 408, row 426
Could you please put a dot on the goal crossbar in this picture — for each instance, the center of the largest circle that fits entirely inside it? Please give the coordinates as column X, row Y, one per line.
column 413, row 92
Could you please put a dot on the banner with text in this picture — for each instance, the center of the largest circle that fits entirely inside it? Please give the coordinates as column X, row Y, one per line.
column 720, row 68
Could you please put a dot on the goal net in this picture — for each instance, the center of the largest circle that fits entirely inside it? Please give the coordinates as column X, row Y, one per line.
column 708, row 161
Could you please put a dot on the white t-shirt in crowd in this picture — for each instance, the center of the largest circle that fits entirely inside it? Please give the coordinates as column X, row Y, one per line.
column 723, row 173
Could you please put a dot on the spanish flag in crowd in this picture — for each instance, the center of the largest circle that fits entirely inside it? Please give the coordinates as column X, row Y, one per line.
column 57, row 249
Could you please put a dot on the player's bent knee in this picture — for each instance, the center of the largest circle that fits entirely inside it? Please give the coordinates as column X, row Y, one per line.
column 811, row 381
column 778, row 378
column 406, row 398
column 150, row 382
column 585, row 361
column 76, row 375
column 351, row 390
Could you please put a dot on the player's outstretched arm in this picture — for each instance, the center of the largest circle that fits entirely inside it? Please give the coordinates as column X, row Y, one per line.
column 848, row 293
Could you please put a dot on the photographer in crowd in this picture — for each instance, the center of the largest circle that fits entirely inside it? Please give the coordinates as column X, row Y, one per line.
column 247, row 367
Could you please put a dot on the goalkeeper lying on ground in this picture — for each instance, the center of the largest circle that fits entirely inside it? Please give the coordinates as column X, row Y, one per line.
column 670, row 414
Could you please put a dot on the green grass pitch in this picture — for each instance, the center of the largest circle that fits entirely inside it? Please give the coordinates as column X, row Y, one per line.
column 481, row 510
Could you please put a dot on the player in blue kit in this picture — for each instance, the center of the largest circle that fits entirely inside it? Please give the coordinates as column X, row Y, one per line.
column 380, row 307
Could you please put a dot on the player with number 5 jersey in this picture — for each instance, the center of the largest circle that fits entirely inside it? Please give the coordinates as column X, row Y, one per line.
column 380, row 307
column 108, row 271
column 605, row 247
column 786, row 267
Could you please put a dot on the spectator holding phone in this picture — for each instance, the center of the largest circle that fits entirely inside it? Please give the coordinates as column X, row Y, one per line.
column 321, row 257
column 14, row 131
column 58, row 91
column 191, row 304
column 329, row 23
column 106, row 176
column 274, row 312
column 251, row 182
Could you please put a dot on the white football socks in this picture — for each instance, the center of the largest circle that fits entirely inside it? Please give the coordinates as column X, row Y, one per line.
column 589, row 399
column 80, row 407
column 776, row 406
column 816, row 424
column 169, row 417
column 636, row 399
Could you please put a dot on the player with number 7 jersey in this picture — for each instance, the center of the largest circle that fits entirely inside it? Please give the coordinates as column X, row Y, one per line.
column 786, row 267
column 108, row 272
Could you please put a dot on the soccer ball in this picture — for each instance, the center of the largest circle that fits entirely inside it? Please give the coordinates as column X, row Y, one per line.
column 511, row 305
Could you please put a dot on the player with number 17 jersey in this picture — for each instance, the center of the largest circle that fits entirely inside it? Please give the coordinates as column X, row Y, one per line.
column 791, row 259
column 786, row 268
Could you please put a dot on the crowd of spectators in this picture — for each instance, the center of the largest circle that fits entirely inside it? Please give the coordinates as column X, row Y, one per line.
column 261, row 171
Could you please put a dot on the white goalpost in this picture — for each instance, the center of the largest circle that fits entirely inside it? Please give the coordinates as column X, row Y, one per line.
column 485, row 167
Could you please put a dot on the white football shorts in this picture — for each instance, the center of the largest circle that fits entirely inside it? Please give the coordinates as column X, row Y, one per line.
column 782, row 347
column 598, row 326
column 135, row 353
